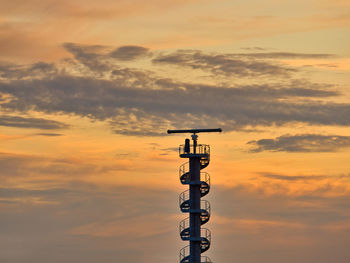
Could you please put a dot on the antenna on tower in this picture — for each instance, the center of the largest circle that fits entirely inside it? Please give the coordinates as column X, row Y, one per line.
column 194, row 131
column 190, row 200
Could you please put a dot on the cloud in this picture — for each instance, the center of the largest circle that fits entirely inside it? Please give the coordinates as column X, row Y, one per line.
column 226, row 64
column 237, row 107
column 36, row 70
column 302, row 143
column 294, row 177
column 139, row 102
column 18, row 193
column 129, row 52
column 254, row 48
column 32, row 123
column 162, row 104
column 82, row 223
column 49, row 134
column 78, row 221
column 18, row 167
column 90, row 56
column 305, row 207
column 284, row 55
column 100, row 59
column 249, row 220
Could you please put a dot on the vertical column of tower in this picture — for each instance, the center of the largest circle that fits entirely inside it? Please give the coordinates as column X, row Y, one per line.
column 195, row 208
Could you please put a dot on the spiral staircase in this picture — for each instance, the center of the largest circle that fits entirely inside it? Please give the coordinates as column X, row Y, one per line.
column 184, row 202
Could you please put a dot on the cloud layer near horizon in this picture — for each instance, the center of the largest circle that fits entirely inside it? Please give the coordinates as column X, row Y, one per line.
column 80, row 220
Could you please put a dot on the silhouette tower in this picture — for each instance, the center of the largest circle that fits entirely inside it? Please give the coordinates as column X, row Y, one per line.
column 190, row 200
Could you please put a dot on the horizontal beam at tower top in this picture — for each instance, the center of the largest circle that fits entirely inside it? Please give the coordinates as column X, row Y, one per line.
column 195, row 130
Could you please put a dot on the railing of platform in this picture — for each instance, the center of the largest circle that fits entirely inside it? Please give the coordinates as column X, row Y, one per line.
column 205, row 259
column 205, row 177
column 200, row 149
column 205, row 205
column 184, row 252
column 205, row 232
column 184, row 168
column 185, row 223
column 185, row 195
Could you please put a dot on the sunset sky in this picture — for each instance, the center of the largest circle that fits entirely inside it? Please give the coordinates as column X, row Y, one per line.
column 89, row 88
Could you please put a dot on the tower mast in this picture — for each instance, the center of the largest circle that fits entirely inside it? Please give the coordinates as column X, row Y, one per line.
column 190, row 200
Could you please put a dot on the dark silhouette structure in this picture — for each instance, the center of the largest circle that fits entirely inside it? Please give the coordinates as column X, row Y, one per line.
column 190, row 200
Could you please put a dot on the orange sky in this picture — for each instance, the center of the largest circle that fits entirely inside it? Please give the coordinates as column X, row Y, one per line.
column 88, row 90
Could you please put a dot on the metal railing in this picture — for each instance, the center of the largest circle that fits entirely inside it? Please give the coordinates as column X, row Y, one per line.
column 205, row 177
column 205, row 161
column 184, row 252
column 185, row 223
column 184, row 196
column 184, row 168
column 200, row 149
column 205, row 259
column 205, row 205
column 205, row 233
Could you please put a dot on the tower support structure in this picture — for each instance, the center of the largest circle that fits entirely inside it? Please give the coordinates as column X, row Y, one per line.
column 190, row 201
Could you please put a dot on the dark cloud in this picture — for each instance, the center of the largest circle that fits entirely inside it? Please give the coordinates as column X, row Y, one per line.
column 138, row 102
column 99, row 59
column 227, row 64
column 36, row 123
column 85, row 51
column 129, row 52
column 91, row 56
column 302, row 143
column 163, row 103
column 49, row 134
column 36, row 70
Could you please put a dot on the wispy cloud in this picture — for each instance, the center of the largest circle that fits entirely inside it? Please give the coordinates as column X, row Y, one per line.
column 227, row 64
column 294, row 177
column 123, row 104
column 302, row 143
column 10, row 71
column 139, row 102
column 49, row 134
column 129, row 52
column 33, row 123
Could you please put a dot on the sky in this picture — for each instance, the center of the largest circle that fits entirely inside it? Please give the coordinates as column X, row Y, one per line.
column 89, row 88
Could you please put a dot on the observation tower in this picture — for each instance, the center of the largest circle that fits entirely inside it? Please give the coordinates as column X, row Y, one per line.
column 190, row 200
